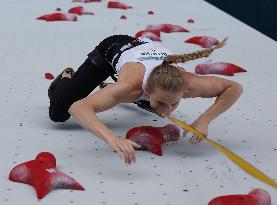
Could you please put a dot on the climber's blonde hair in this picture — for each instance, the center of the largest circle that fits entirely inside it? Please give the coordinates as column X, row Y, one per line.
column 168, row 77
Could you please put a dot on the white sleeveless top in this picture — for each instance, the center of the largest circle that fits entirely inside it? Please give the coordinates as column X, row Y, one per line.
column 150, row 54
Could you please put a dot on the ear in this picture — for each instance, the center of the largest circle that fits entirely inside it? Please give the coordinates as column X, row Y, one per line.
column 147, row 90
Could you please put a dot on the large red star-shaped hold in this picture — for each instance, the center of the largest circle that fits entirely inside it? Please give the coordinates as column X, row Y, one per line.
column 151, row 138
column 41, row 173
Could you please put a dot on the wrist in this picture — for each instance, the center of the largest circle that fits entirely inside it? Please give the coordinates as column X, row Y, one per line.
column 110, row 138
column 205, row 119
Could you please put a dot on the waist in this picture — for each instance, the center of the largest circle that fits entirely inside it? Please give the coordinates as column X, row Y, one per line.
column 107, row 53
column 112, row 47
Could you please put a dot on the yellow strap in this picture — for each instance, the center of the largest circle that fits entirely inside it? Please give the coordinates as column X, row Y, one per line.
column 250, row 169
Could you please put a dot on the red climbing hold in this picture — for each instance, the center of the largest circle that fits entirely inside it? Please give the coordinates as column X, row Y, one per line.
column 118, row 5
column 150, row 138
column 150, row 12
column 167, row 28
column 190, row 21
column 86, row 1
column 58, row 17
column 58, row 9
column 154, row 35
column 255, row 197
column 203, row 41
column 218, row 68
column 170, row 132
column 79, row 10
column 49, row 76
column 42, row 174
column 123, row 17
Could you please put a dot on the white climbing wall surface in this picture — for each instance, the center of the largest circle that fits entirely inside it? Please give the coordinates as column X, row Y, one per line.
column 186, row 173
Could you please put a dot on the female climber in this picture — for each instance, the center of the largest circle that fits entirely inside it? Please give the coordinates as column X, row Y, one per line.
column 147, row 76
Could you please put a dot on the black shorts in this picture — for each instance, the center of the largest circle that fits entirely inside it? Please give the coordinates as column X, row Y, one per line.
column 99, row 65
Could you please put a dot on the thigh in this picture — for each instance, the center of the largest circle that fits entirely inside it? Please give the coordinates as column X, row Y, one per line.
column 87, row 78
column 68, row 91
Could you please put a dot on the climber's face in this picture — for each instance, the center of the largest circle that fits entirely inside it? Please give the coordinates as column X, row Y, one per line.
column 164, row 102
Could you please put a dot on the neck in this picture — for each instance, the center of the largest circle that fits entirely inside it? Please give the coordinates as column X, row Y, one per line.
column 188, row 91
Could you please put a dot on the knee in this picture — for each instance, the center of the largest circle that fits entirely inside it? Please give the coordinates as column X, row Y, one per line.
column 59, row 105
column 58, row 115
column 55, row 117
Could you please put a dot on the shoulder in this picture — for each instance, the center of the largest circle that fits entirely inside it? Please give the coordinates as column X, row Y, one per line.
column 132, row 73
column 131, row 78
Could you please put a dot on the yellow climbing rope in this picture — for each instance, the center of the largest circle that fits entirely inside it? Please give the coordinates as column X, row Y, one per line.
column 250, row 169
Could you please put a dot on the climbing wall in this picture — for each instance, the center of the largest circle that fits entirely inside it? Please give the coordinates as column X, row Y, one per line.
column 186, row 173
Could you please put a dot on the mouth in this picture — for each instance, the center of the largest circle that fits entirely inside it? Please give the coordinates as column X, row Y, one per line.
column 159, row 114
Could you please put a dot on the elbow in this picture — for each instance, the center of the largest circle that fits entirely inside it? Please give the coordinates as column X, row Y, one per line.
column 239, row 88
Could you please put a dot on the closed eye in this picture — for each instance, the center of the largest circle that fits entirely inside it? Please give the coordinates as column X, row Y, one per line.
column 161, row 103
column 175, row 103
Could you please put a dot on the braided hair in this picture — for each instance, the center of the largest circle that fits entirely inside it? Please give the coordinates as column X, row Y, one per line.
column 168, row 77
column 194, row 55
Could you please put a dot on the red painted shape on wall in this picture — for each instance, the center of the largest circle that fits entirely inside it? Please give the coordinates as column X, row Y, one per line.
column 42, row 174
